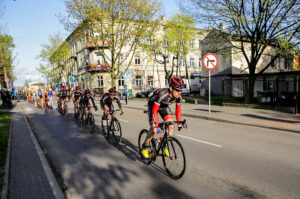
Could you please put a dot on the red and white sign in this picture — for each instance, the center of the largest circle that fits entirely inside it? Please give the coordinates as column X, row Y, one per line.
column 210, row 61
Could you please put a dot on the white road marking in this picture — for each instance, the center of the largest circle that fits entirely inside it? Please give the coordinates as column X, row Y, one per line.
column 124, row 120
column 204, row 142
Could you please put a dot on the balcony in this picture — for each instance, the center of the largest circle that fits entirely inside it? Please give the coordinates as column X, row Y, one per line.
column 99, row 43
column 99, row 68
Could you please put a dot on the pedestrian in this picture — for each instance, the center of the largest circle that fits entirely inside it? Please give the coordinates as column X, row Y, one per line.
column 126, row 92
column 14, row 94
column 4, row 97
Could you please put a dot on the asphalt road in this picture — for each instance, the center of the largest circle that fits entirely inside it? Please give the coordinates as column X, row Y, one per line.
column 223, row 160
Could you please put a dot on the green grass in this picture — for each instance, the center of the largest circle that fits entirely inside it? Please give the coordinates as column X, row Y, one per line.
column 4, row 133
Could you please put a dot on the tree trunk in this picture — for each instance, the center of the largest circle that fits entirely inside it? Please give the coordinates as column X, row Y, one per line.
column 251, row 88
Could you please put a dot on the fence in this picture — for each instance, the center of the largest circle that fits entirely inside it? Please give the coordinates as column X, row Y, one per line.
column 270, row 90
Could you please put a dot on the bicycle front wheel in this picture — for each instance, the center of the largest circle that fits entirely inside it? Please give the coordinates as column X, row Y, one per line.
column 91, row 123
column 115, row 131
column 173, row 158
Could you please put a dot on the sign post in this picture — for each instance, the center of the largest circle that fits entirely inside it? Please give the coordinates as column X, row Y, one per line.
column 210, row 62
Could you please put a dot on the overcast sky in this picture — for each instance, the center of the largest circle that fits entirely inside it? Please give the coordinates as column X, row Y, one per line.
column 30, row 22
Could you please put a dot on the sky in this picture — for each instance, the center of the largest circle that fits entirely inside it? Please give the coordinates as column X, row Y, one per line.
column 30, row 22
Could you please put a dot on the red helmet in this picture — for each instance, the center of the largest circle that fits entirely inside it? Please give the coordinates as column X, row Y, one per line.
column 112, row 90
column 77, row 87
column 64, row 89
column 87, row 91
column 176, row 83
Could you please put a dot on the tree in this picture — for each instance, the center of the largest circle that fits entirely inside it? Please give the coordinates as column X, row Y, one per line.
column 6, row 56
column 116, row 28
column 258, row 22
column 180, row 34
column 54, row 52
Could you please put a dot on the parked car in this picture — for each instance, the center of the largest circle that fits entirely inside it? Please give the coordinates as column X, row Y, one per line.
column 144, row 94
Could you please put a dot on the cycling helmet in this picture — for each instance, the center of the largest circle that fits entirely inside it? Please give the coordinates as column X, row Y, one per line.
column 176, row 83
column 64, row 90
column 112, row 90
column 39, row 89
column 77, row 87
column 87, row 91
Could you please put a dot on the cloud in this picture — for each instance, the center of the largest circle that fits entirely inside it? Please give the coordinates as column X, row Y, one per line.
column 26, row 72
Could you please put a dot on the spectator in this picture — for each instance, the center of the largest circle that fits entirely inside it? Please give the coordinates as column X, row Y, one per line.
column 126, row 92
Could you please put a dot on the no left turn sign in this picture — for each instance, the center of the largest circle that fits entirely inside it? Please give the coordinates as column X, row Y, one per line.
column 210, row 61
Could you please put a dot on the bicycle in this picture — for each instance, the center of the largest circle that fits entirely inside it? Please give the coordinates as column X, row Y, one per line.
column 88, row 120
column 112, row 126
column 64, row 111
column 171, row 150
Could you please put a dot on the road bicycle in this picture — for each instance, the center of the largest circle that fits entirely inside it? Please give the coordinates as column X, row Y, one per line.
column 65, row 110
column 87, row 119
column 111, row 127
column 168, row 147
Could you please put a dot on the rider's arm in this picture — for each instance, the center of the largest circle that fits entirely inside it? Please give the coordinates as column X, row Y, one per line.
column 178, row 112
column 155, row 112
column 93, row 101
column 118, row 101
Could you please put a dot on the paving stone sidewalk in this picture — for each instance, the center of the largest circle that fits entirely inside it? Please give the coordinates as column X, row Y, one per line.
column 28, row 176
column 246, row 116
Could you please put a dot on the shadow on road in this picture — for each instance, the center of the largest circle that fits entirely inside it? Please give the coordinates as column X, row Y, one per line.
column 270, row 119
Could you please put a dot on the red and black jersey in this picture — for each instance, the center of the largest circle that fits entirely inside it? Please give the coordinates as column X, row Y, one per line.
column 161, row 99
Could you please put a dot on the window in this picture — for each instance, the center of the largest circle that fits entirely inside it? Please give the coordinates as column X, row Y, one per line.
column 192, row 44
column 181, row 62
column 287, row 64
column 121, row 81
column 166, row 44
column 99, row 59
column 166, row 82
column 148, row 41
column 200, row 62
column 138, row 81
column 99, row 80
column 150, row 80
column 192, row 62
column 137, row 60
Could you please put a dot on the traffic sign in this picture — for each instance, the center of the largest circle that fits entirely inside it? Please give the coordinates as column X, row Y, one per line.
column 126, row 74
column 210, row 61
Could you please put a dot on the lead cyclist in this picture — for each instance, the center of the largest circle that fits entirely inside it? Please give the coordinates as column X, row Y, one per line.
column 158, row 102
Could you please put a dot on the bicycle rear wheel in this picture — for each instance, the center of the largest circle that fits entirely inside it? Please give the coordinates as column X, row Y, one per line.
column 142, row 137
column 91, row 123
column 174, row 158
column 115, row 131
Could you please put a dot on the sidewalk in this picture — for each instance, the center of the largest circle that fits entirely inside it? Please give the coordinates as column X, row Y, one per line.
column 29, row 175
column 245, row 116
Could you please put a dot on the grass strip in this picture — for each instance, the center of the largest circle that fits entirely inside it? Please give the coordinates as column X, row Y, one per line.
column 4, row 134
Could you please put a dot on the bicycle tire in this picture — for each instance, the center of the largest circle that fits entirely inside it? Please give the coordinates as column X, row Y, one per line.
column 115, row 126
column 91, row 123
column 66, row 110
column 169, row 161
column 104, row 127
column 142, row 136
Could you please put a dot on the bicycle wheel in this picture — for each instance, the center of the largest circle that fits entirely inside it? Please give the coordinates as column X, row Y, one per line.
column 174, row 158
column 66, row 110
column 115, row 130
column 142, row 137
column 104, row 126
column 91, row 123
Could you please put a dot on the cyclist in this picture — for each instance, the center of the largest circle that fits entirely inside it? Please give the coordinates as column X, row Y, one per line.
column 106, row 102
column 40, row 97
column 76, row 96
column 158, row 102
column 64, row 98
column 50, row 95
column 85, row 101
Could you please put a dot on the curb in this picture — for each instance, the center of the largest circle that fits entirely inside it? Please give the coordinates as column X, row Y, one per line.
column 57, row 192
column 231, row 122
column 7, row 164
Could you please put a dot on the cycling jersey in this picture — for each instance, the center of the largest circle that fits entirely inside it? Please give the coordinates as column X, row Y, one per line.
column 40, row 93
column 50, row 94
column 85, row 102
column 158, row 102
column 63, row 95
column 77, row 95
column 106, row 100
